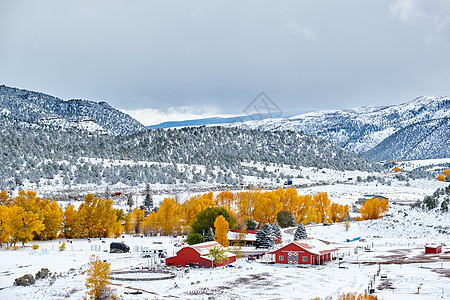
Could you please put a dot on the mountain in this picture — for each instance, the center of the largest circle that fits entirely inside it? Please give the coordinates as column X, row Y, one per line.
column 362, row 129
column 423, row 140
column 38, row 109
column 209, row 121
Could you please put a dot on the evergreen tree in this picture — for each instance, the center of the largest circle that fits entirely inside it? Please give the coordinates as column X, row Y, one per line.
column 285, row 219
column 300, row 232
column 148, row 201
column 209, row 236
column 276, row 230
column 264, row 237
column 130, row 201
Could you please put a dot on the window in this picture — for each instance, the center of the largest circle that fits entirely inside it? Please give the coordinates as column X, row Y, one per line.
column 295, row 258
column 305, row 258
column 289, row 257
column 281, row 257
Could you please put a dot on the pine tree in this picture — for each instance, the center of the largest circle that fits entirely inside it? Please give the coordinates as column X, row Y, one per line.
column 300, row 232
column 276, row 230
column 148, row 201
column 130, row 201
column 209, row 236
column 264, row 237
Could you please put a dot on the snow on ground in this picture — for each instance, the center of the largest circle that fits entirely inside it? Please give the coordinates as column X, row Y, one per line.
column 396, row 242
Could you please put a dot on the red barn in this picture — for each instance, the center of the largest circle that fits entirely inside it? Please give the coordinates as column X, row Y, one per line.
column 433, row 249
column 198, row 255
column 306, row 251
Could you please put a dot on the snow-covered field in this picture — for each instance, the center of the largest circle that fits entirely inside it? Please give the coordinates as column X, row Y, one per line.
column 396, row 243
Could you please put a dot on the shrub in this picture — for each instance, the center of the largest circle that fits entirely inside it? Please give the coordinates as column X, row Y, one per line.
column 35, row 247
column 62, row 247
column 43, row 273
column 25, row 280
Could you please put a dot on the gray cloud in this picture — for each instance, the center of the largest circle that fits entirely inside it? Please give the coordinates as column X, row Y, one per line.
column 305, row 55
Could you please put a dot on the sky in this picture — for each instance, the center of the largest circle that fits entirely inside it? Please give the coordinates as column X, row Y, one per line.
column 175, row 60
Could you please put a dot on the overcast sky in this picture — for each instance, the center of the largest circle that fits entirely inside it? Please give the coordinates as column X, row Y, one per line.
column 165, row 60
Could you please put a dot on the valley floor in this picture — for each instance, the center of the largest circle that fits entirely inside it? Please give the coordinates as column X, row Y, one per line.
column 396, row 244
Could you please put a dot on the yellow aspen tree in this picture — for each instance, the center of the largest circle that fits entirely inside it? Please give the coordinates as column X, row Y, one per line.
column 53, row 218
column 225, row 199
column 71, row 228
column 374, row 208
column 139, row 215
column 245, row 202
column 196, row 204
column 97, row 278
column 321, row 204
column 4, row 219
column 221, row 225
column 169, row 216
column 130, row 221
column 441, row 177
column 5, row 200
column 447, row 172
column 22, row 224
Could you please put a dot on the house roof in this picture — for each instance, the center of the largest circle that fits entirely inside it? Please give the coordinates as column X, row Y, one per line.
column 312, row 245
column 203, row 249
column 249, row 236
column 432, row 246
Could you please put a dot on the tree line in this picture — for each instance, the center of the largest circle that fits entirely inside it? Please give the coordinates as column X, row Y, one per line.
column 28, row 217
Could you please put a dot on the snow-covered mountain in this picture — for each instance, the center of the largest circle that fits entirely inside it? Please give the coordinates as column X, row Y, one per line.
column 362, row 129
column 423, row 140
column 39, row 109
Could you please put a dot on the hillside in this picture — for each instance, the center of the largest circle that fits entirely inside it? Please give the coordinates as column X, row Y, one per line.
column 38, row 109
column 423, row 140
column 200, row 154
column 362, row 129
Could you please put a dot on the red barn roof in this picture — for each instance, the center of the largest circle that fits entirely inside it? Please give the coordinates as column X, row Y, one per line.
column 313, row 246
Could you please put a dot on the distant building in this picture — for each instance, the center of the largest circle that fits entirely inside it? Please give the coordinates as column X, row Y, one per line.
column 198, row 255
column 249, row 239
column 309, row 251
column 433, row 249
column 367, row 197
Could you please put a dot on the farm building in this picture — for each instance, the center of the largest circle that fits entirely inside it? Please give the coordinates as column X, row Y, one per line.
column 433, row 249
column 249, row 240
column 306, row 251
column 198, row 255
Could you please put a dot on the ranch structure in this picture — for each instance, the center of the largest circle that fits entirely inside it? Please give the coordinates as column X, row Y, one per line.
column 199, row 255
column 433, row 249
column 309, row 251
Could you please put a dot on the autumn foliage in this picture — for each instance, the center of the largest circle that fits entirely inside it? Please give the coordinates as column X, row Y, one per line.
column 374, row 208
column 352, row 296
column 222, row 228
column 97, row 279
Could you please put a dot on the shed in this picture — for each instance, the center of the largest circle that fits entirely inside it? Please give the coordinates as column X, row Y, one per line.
column 198, row 254
column 433, row 249
column 306, row 251
column 250, row 237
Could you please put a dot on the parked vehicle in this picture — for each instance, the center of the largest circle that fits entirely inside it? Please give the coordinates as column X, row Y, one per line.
column 119, row 248
column 147, row 252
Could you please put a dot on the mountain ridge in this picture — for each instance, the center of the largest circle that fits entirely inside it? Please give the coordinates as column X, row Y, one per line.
column 45, row 110
column 360, row 129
